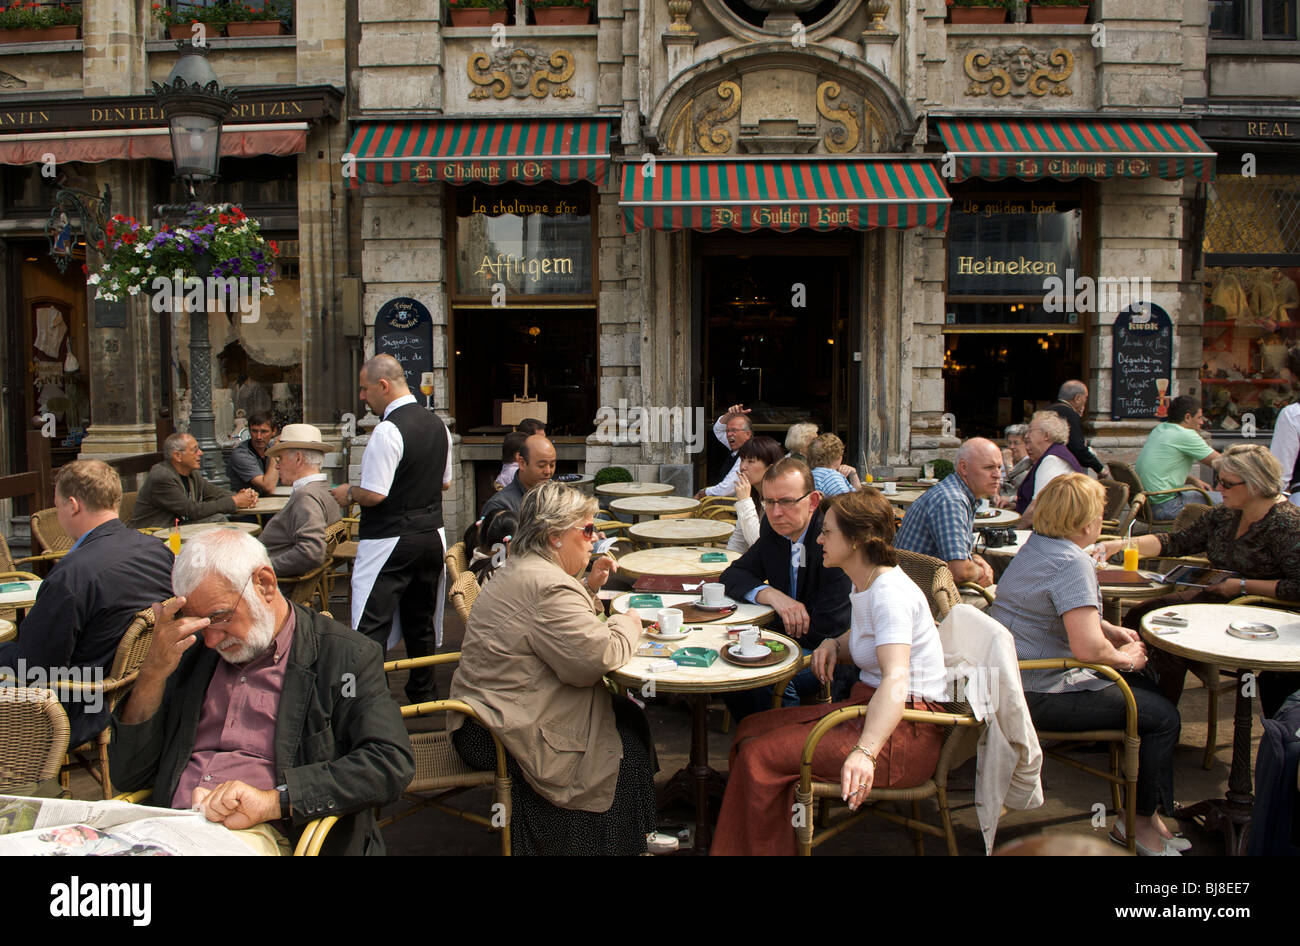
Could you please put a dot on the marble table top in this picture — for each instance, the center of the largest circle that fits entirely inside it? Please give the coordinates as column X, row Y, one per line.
column 8, row 630
column 191, row 529
column 20, row 599
column 1206, row 636
column 681, row 531
column 265, row 505
column 746, row 613
column 635, row 489
column 673, row 560
column 653, row 505
column 721, row 677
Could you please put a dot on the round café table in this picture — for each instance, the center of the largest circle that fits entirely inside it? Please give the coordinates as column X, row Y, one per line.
column 999, row 558
column 653, row 505
column 191, row 529
column 8, row 630
column 283, row 491
column 265, row 506
column 681, row 531
column 635, row 489
column 674, row 561
column 745, row 613
column 698, row 780
column 903, row 497
column 1001, row 518
column 1113, row 597
column 21, row 599
column 583, row 483
column 1206, row 639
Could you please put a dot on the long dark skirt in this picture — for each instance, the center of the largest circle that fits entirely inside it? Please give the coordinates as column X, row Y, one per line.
column 539, row 827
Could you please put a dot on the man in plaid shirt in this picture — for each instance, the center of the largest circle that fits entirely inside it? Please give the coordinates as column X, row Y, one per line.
column 942, row 522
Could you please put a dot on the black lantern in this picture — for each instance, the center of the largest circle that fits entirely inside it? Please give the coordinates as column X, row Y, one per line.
column 195, row 105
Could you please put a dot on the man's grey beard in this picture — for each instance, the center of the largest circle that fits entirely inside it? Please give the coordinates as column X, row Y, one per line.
column 261, row 631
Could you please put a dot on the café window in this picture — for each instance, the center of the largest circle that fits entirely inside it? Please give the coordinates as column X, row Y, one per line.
column 523, row 289
column 1012, row 312
column 1251, row 297
column 1253, row 19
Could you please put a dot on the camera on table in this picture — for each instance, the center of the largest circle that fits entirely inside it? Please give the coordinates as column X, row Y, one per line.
column 998, row 538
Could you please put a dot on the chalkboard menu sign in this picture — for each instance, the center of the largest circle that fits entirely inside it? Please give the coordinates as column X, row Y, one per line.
column 404, row 329
column 1142, row 344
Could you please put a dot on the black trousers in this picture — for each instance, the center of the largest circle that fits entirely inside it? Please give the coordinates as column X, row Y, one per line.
column 407, row 586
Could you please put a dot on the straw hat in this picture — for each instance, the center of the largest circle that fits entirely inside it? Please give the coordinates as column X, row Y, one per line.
column 299, row 437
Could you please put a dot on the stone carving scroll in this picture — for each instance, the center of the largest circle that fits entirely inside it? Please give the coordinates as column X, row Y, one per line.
column 521, row 72
column 1018, row 71
column 848, row 131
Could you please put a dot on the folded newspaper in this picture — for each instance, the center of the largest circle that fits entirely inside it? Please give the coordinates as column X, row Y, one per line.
column 56, row 827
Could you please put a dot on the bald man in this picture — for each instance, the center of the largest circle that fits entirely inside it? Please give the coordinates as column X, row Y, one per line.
column 942, row 522
column 397, row 580
column 536, row 465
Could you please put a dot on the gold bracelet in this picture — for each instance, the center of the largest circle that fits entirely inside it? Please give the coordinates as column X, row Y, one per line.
column 866, row 752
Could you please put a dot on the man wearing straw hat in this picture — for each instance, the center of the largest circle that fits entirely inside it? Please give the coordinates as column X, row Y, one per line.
column 398, row 577
column 295, row 536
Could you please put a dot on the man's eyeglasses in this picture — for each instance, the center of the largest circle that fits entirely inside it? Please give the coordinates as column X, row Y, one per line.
column 785, row 504
column 220, row 619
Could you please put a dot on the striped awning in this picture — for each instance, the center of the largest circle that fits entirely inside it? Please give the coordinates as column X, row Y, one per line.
column 480, row 151
column 783, row 193
column 1067, row 148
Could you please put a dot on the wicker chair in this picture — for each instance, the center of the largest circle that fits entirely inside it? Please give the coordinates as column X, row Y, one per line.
column 48, row 534
column 1125, row 474
column 1123, row 744
column 718, row 512
column 126, row 509
column 961, row 732
column 131, row 651
column 33, row 737
column 934, row 578
column 1116, row 503
column 457, row 562
column 439, row 768
column 303, row 589
column 1190, row 513
column 462, row 594
column 309, row 842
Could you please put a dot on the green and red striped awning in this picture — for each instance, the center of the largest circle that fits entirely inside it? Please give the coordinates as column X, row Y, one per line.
column 1067, row 148
column 480, row 151
column 783, row 193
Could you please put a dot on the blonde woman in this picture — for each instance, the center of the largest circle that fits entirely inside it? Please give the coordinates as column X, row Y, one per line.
column 1049, row 600
column 532, row 666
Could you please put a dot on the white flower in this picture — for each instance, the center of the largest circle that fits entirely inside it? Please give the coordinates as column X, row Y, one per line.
column 135, row 270
column 139, row 249
column 134, row 290
column 94, row 280
column 152, row 270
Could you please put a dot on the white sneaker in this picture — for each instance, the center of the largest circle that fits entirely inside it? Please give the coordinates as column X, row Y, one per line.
column 656, row 842
column 1173, row 847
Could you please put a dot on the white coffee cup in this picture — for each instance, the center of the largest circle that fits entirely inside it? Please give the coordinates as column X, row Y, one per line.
column 982, row 506
column 670, row 620
column 748, row 643
column 712, row 593
column 890, row 487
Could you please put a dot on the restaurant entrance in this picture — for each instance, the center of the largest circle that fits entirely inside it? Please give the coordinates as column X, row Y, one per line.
column 994, row 379
column 776, row 322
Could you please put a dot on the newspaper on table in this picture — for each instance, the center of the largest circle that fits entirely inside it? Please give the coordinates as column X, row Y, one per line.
column 57, row 827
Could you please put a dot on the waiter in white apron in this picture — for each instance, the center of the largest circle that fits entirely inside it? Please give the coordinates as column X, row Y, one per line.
column 398, row 579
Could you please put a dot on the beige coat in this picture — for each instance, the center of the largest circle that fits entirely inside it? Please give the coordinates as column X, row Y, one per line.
column 531, row 666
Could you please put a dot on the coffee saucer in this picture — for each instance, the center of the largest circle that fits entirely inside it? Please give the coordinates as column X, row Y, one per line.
column 721, row 606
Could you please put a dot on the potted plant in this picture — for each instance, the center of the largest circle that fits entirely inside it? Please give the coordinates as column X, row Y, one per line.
column 1059, row 11
column 477, row 12
column 978, row 11
column 561, row 12
column 180, row 20
column 23, row 21
column 217, row 240
column 243, row 19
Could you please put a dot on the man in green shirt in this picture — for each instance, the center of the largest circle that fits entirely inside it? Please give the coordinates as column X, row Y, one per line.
column 1166, row 460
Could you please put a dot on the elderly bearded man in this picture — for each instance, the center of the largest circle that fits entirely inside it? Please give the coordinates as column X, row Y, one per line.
column 282, row 716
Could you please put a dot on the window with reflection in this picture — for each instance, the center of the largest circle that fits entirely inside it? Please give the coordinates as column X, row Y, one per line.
column 1278, row 19
column 1226, row 18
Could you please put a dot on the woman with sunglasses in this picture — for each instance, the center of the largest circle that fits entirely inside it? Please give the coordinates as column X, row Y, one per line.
column 1255, row 533
column 532, row 662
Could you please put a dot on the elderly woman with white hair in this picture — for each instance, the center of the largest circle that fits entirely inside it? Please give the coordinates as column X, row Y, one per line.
column 532, row 667
column 797, row 439
column 1045, row 440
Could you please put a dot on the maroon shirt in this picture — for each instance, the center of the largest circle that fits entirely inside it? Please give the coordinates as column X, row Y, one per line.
column 236, row 734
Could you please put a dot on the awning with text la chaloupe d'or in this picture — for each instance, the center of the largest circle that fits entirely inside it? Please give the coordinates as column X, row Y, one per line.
column 789, row 192
column 1067, row 148
column 479, row 151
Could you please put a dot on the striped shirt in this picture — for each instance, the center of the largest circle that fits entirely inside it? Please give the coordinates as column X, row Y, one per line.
column 1047, row 578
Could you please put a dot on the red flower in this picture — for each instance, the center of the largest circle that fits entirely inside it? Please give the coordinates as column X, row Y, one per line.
column 85, row 270
column 99, row 245
column 275, row 248
column 128, row 237
column 224, row 219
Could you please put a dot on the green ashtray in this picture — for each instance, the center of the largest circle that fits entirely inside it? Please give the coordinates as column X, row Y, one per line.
column 695, row 656
column 775, row 646
column 713, row 557
column 11, row 586
column 645, row 601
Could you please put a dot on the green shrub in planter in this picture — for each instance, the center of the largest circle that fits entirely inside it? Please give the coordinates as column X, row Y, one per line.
column 612, row 474
column 942, row 468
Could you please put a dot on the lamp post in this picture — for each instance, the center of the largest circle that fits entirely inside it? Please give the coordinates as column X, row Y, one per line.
column 195, row 105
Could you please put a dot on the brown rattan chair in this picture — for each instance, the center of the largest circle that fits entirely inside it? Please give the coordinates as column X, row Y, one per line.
column 33, row 737
column 961, row 732
column 131, row 651
column 1125, row 474
column 462, row 594
column 48, row 534
column 126, row 509
column 1188, row 516
column 1123, row 744
column 1116, row 503
column 457, row 562
column 935, row 579
column 335, row 534
column 439, row 768
column 10, row 565
column 717, row 512
column 305, row 588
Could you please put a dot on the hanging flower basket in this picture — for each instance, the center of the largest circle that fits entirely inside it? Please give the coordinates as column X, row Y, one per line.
column 218, row 240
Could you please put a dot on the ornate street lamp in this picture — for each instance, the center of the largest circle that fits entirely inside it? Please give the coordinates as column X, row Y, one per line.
column 195, row 105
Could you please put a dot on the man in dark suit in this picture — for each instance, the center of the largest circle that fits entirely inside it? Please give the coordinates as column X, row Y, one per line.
column 282, row 717
column 91, row 595
column 1071, row 402
column 811, row 602
column 174, row 489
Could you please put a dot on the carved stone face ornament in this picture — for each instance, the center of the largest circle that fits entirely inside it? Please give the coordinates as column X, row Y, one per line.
column 521, row 72
column 521, row 67
column 1018, row 71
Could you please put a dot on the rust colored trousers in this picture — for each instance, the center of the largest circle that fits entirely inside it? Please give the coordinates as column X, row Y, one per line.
column 757, row 811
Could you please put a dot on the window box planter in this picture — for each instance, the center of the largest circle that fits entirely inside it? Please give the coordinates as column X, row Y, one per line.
column 1042, row 14
column 186, row 30
column 254, row 28
column 979, row 14
column 49, row 34
column 476, row 16
column 562, row 16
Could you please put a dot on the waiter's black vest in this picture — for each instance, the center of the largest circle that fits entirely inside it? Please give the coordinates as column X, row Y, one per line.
column 414, row 503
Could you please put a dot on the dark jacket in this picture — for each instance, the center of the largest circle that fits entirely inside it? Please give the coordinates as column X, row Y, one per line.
column 1076, row 444
column 508, row 498
column 824, row 591
column 340, row 743
column 85, row 606
column 166, row 495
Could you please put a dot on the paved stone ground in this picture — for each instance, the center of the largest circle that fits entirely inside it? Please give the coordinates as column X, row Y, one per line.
column 1069, row 794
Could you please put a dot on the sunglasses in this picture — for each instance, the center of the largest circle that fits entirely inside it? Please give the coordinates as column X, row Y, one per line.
column 588, row 531
column 1224, row 484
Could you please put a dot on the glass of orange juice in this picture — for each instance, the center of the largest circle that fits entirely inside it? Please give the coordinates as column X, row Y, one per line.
column 1130, row 556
